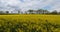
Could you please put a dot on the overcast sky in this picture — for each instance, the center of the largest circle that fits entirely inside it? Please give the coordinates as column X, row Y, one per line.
column 29, row 4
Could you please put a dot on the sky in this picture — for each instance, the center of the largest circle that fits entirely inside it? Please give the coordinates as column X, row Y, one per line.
column 24, row 5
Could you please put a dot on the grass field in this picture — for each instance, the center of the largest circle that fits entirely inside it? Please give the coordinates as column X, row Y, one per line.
column 30, row 23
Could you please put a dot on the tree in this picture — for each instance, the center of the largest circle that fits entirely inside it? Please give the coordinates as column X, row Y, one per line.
column 7, row 12
column 1, row 12
column 45, row 11
column 41, row 11
column 26, row 12
column 59, row 12
column 18, row 11
column 54, row 12
column 30, row 11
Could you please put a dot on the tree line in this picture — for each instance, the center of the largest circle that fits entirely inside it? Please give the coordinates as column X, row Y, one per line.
column 39, row 11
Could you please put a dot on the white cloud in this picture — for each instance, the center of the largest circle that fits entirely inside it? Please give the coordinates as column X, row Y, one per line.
column 55, row 5
column 29, row 4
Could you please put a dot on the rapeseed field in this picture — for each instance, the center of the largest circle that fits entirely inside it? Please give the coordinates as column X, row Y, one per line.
column 30, row 23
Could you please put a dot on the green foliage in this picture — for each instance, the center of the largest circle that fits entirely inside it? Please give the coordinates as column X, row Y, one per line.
column 54, row 12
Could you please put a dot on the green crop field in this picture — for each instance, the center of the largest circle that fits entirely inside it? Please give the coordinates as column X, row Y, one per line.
column 30, row 23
